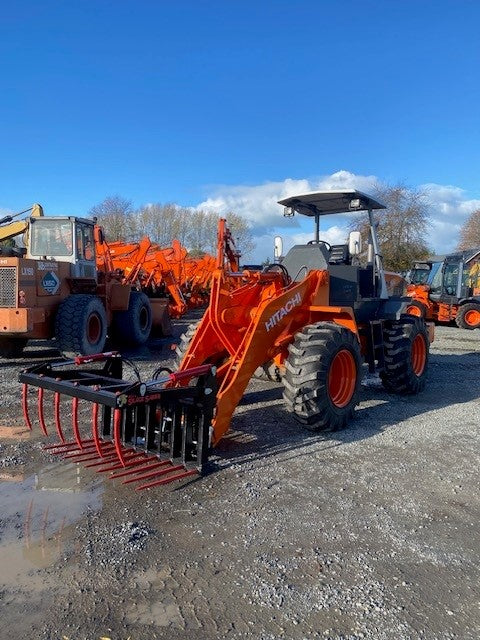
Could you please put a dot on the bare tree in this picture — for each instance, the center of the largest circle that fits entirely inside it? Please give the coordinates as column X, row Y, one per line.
column 241, row 233
column 162, row 223
column 402, row 227
column 470, row 232
column 196, row 229
column 115, row 215
column 202, row 231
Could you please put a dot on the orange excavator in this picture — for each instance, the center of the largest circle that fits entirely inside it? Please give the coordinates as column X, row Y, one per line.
column 311, row 321
column 145, row 263
column 169, row 272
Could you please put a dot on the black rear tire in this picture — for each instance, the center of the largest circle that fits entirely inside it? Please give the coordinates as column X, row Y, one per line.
column 12, row 347
column 133, row 326
column 468, row 316
column 322, row 376
column 81, row 325
column 406, row 347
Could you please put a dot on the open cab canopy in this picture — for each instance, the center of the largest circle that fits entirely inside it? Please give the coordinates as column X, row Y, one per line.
column 322, row 203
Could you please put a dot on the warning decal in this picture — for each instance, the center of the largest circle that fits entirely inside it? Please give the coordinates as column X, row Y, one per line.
column 50, row 283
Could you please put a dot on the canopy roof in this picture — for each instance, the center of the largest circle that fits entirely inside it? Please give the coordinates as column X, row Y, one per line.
column 327, row 202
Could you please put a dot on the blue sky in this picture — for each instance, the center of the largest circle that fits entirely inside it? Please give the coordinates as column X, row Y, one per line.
column 204, row 102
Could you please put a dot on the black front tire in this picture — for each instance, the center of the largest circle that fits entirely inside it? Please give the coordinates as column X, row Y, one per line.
column 133, row 326
column 416, row 309
column 406, row 347
column 322, row 376
column 12, row 347
column 81, row 325
column 268, row 371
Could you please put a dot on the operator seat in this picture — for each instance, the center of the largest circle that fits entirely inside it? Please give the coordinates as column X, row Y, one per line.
column 303, row 258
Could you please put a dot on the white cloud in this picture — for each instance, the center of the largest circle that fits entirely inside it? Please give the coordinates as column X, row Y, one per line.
column 259, row 203
column 450, row 201
column 444, row 235
column 450, row 207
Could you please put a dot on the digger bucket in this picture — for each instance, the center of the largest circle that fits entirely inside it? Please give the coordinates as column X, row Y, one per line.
column 139, row 431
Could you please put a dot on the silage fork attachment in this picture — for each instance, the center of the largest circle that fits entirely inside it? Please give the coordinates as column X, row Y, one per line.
column 139, row 431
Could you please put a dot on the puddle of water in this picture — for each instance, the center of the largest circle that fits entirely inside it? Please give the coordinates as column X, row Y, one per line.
column 37, row 518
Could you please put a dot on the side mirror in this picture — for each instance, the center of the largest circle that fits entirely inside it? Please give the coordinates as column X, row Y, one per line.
column 288, row 212
column 354, row 243
column 277, row 247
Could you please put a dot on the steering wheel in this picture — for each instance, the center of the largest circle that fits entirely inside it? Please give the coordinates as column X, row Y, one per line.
column 329, row 246
column 283, row 270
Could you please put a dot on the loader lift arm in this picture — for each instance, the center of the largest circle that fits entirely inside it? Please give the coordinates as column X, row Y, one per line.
column 245, row 327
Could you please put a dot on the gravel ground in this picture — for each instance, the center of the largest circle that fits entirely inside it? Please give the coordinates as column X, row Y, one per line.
column 367, row 533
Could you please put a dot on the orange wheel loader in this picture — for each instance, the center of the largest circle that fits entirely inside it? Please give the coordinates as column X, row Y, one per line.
column 312, row 321
column 54, row 288
column 447, row 289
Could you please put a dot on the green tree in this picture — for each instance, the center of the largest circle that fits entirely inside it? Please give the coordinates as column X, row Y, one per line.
column 470, row 232
column 401, row 228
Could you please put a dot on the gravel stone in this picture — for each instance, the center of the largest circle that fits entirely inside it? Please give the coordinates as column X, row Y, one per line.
column 370, row 532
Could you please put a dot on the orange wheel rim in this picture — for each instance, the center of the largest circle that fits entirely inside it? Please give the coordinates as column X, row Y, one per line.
column 413, row 310
column 419, row 354
column 342, row 378
column 94, row 329
column 472, row 318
